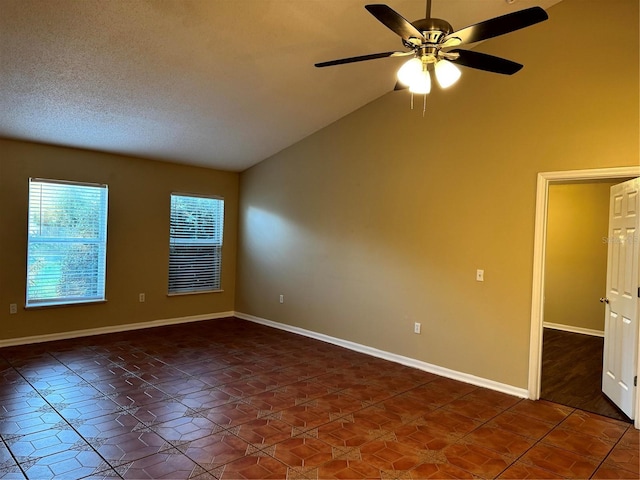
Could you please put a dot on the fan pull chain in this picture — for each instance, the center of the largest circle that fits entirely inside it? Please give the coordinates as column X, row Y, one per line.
column 424, row 104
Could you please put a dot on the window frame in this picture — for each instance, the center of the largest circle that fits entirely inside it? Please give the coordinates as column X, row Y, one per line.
column 100, row 267
column 186, row 241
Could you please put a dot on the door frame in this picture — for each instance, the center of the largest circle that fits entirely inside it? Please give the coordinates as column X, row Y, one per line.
column 539, row 247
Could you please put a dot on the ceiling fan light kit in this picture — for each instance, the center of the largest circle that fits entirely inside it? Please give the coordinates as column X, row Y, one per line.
column 432, row 45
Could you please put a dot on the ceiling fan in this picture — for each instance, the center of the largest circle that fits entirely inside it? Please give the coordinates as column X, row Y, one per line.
column 432, row 45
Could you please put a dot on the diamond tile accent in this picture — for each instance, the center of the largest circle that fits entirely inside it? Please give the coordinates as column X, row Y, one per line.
column 302, row 473
column 432, row 456
column 343, row 418
column 269, row 414
column 27, row 462
column 384, row 435
column 394, row 474
column 195, row 412
column 258, row 451
column 81, row 445
column 302, row 432
column 345, row 453
column 96, row 442
column 176, row 448
column 141, row 427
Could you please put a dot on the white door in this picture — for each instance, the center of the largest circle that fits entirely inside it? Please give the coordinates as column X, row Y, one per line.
column 621, row 321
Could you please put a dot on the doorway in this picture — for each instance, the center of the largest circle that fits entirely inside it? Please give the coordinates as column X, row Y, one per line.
column 537, row 309
column 575, row 278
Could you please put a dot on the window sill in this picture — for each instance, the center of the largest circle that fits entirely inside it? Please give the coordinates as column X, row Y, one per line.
column 55, row 305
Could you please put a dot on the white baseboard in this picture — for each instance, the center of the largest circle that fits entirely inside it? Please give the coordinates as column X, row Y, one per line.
column 410, row 362
column 569, row 328
column 111, row 329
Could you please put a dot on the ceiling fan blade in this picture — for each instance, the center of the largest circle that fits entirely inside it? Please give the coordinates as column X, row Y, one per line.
column 483, row 61
column 360, row 58
column 499, row 25
column 394, row 21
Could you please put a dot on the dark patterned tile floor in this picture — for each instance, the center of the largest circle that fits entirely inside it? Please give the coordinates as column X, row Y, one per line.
column 229, row 399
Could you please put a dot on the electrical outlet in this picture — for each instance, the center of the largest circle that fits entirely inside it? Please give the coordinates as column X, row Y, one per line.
column 13, row 308
column 141, row 297
column 281, row 298
column 480, row 275
column 417, row 327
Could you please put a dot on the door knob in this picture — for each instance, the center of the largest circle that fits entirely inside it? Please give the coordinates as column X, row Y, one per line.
column 604, row 300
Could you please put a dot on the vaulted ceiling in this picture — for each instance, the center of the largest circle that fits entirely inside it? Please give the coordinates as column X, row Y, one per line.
column 216, row 83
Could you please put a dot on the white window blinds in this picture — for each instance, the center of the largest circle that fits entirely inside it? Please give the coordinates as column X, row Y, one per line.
column 67, row 242
column 195, row 244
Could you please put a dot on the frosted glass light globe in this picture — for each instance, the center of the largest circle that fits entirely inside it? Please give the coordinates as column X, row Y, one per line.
column 421, row 84
column 446, row 73
column 409, row 71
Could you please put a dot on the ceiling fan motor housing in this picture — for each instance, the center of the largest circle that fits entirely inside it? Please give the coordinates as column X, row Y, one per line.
column 433, row 29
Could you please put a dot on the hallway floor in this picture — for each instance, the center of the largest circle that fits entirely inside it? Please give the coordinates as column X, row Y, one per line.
column 229, row 399
column 572, row 372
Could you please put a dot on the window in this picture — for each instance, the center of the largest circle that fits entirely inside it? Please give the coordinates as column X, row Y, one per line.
column 195, row 244
column 67, row 242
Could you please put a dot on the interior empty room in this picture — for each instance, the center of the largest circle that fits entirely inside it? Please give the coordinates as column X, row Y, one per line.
column 225, row 255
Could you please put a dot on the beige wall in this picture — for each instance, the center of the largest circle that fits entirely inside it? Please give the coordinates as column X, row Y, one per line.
column 382, row 218
column 138, row 242
column 576, row 255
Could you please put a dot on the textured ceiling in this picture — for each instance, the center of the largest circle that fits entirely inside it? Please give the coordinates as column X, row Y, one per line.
column 216, row 83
